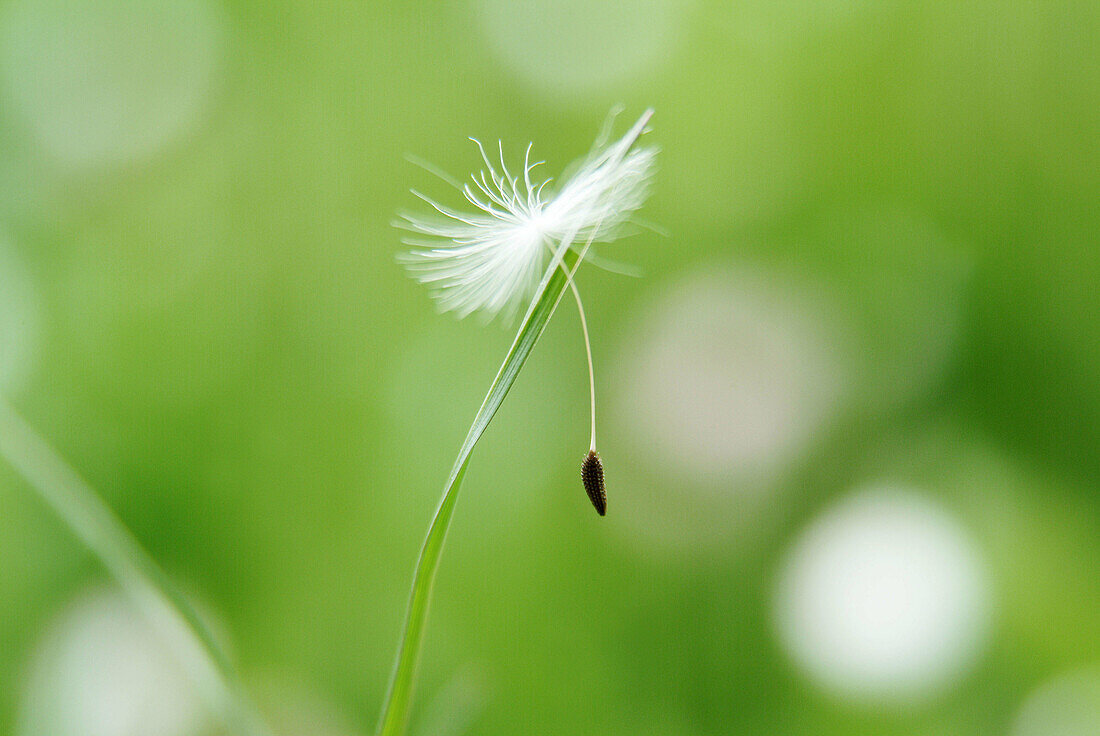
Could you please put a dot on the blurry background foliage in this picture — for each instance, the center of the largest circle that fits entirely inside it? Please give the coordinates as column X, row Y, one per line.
column 850, row 416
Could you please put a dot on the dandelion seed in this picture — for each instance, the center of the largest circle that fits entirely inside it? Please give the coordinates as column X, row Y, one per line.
column 492, row 259
column 592, row 477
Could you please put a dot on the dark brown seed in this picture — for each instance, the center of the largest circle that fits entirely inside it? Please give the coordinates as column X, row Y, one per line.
column 592, row 475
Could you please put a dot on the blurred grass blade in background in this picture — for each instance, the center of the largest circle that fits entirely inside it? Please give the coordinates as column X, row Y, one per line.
column 153, row 594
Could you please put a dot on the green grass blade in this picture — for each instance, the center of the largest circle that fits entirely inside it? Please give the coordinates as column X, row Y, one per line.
column 93, row 522
column 395, row 712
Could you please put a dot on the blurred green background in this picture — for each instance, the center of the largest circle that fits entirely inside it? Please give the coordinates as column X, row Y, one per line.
column 850, row 416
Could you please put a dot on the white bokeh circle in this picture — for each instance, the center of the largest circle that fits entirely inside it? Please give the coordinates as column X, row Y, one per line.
column 719, row 388
column 101, row 670
column 884, row 597
column 1067, row 705
column 728, row 377
column 571, row 48
column 108, row 81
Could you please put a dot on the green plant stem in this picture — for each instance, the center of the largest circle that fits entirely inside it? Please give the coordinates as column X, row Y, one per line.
column 101, row 531
column 395, row 711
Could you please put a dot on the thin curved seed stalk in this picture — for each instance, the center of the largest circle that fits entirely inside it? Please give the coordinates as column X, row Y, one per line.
column 93, row 522
column 395, row 711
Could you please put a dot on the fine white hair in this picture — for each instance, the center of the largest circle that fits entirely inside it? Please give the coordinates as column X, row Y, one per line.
column 491, row 260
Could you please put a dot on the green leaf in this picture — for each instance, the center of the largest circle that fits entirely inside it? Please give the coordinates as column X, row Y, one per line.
column 395, row 712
